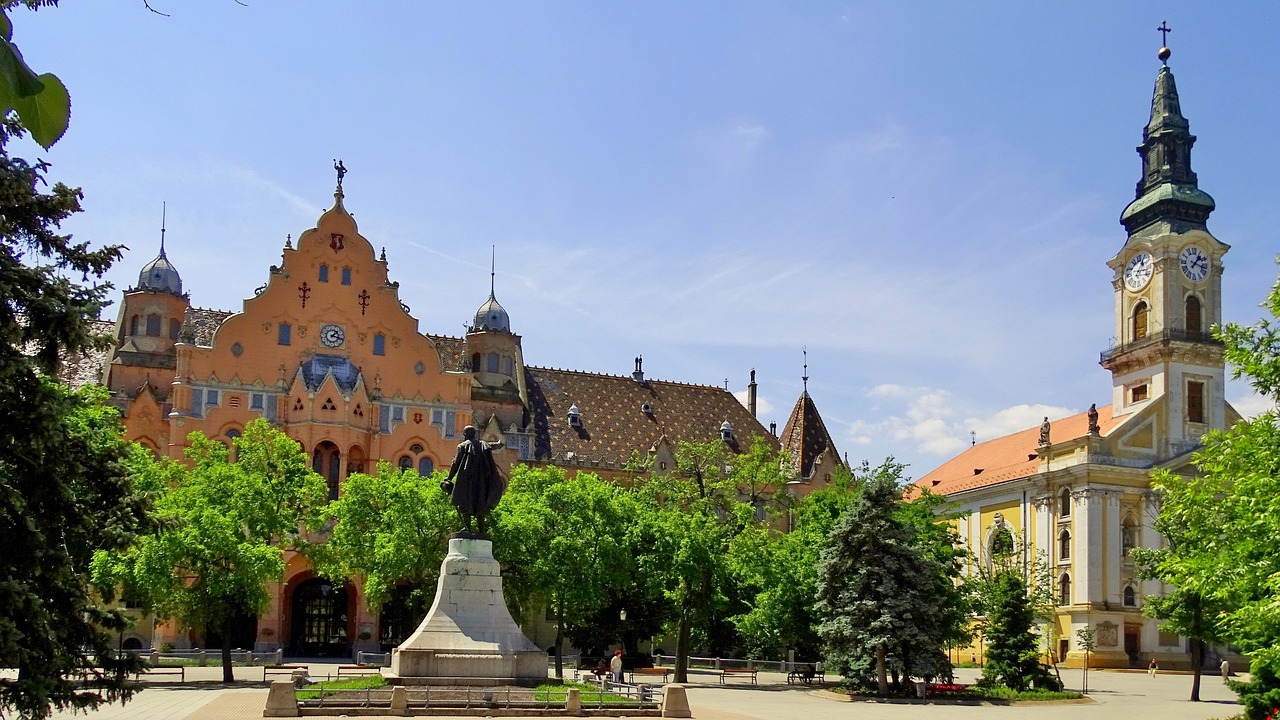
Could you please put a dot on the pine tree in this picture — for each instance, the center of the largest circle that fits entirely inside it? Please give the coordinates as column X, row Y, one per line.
column 1012, row 658
column 63, row 490
column 877, row 591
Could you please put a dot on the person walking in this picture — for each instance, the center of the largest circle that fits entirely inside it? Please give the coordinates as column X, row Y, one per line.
column 616, row 666
column 1225, row 667
column 1153, row 667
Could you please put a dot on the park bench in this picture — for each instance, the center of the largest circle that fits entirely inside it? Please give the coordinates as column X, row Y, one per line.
column 357, row 670
column 737, row 672
column 650, row 672
column 178, row 670
column 269, row 670
column 806, row 675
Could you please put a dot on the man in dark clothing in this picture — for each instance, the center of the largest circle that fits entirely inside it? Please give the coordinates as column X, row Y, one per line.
column 479, row 486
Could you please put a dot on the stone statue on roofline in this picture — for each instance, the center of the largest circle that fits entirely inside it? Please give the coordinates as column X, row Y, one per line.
column 1093, row 420
column 479, row 485
column 1044, row 432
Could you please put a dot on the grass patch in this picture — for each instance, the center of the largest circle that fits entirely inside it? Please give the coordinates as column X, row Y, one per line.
column 1004, row 693
column 554, row 692
column 329, row 687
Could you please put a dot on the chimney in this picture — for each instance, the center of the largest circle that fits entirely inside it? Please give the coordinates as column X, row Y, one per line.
column 773, row 429
column 751, row 394
column 638, row 375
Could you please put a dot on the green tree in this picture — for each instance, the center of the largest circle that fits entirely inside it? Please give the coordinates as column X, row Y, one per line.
column 63, row 489
column 392, row 529
column 1085, row 636
column 227, row 525
column 1012, row 654
column 560, row 538
column 876, row 590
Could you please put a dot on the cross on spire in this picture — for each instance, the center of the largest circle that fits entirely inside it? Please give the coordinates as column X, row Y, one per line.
column 1164, row 31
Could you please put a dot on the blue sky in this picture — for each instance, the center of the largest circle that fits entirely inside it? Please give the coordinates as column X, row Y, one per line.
column 922, row 194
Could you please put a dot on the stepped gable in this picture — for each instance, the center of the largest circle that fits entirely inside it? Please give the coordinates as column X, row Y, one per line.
column 805, row 437
column 453, row 352
column 1011, row 457
column 85, row 368
column 199, row 325
column 614, row 424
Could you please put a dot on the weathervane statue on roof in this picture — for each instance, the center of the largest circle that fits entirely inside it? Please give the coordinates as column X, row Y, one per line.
column 342, row 171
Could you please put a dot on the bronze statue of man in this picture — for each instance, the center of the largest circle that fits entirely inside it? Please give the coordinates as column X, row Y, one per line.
column 479, row 485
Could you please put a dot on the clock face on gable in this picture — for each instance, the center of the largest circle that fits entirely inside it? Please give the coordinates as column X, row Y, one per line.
column 332, row 336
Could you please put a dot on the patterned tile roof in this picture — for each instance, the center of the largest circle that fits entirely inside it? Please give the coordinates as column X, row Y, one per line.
column 86, row 368
column 614, row 424
column 453, row 352
column 1010, row 457
column 805, row 437
column 200, row 324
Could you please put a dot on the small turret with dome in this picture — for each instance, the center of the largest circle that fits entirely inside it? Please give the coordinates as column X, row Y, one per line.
column 160, row 274
column 491, row 316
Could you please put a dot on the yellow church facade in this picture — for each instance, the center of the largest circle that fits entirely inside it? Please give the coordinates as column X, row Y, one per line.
column 1075, row 493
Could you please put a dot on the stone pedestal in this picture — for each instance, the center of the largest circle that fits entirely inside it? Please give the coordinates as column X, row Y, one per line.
column 468, row 637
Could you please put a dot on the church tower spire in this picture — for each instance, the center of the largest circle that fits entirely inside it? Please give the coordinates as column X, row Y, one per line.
column 1167, row 193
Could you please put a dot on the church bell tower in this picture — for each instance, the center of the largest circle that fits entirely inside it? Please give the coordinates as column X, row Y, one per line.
column 1168, row 288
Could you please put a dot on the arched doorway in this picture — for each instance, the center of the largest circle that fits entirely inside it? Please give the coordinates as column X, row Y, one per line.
column 319, row 620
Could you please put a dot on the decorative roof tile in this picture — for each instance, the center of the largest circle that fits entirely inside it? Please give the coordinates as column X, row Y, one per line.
column 805, row 437
column 199, row 325
column 613, row 423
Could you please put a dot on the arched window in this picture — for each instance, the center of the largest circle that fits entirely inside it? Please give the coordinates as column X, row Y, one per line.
column 133, row 325
column 324, row 273
column 1064, row 503
column 1195, row 326
column 491, row 362
column 1128, row 535
column 405, row 462
column 379, row 344
column 285, row 334
column 475, row 362
column 346, row 276
column 153, row 325
column 425, row 466
column 1130, row 597
column 174, row 327
column 1064, row 544
column 1064, row 589
column 1139, row 329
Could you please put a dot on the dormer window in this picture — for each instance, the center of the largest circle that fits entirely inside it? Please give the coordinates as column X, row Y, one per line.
column 575, row 417
column 726, row 431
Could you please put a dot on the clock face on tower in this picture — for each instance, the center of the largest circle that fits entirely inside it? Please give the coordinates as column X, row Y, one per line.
column 332, row 336
column 1138, row 271
column 1194, row 263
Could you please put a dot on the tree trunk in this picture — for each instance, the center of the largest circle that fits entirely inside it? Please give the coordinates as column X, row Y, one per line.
column 882, row 675
column 682, row 647
column 227, row 675
column 559, row 639
column 1197, row 659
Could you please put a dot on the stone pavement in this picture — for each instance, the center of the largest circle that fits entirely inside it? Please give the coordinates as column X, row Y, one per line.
column 1130, row 695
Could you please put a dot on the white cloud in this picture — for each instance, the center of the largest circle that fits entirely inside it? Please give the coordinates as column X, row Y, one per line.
column 928, row 421
column 1252, row 404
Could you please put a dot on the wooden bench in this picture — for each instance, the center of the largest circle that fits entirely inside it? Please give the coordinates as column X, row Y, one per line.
column 650, row 672
column 737, row 672
column 269, row 670
column 806, row 676
column 358, row 670
column 178, row 670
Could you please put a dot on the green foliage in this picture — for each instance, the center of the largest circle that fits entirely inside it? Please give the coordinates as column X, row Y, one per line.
column 64, row 492
column 227, row 525
column 333, row 687
column 40, row 101
column 1260, row 695
column 1012, row 657
column 878, row 585
column 559, row 539
column 1254, row 351
column 391, row 528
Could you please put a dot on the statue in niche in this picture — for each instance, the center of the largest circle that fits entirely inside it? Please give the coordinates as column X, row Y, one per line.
column 479, row 485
